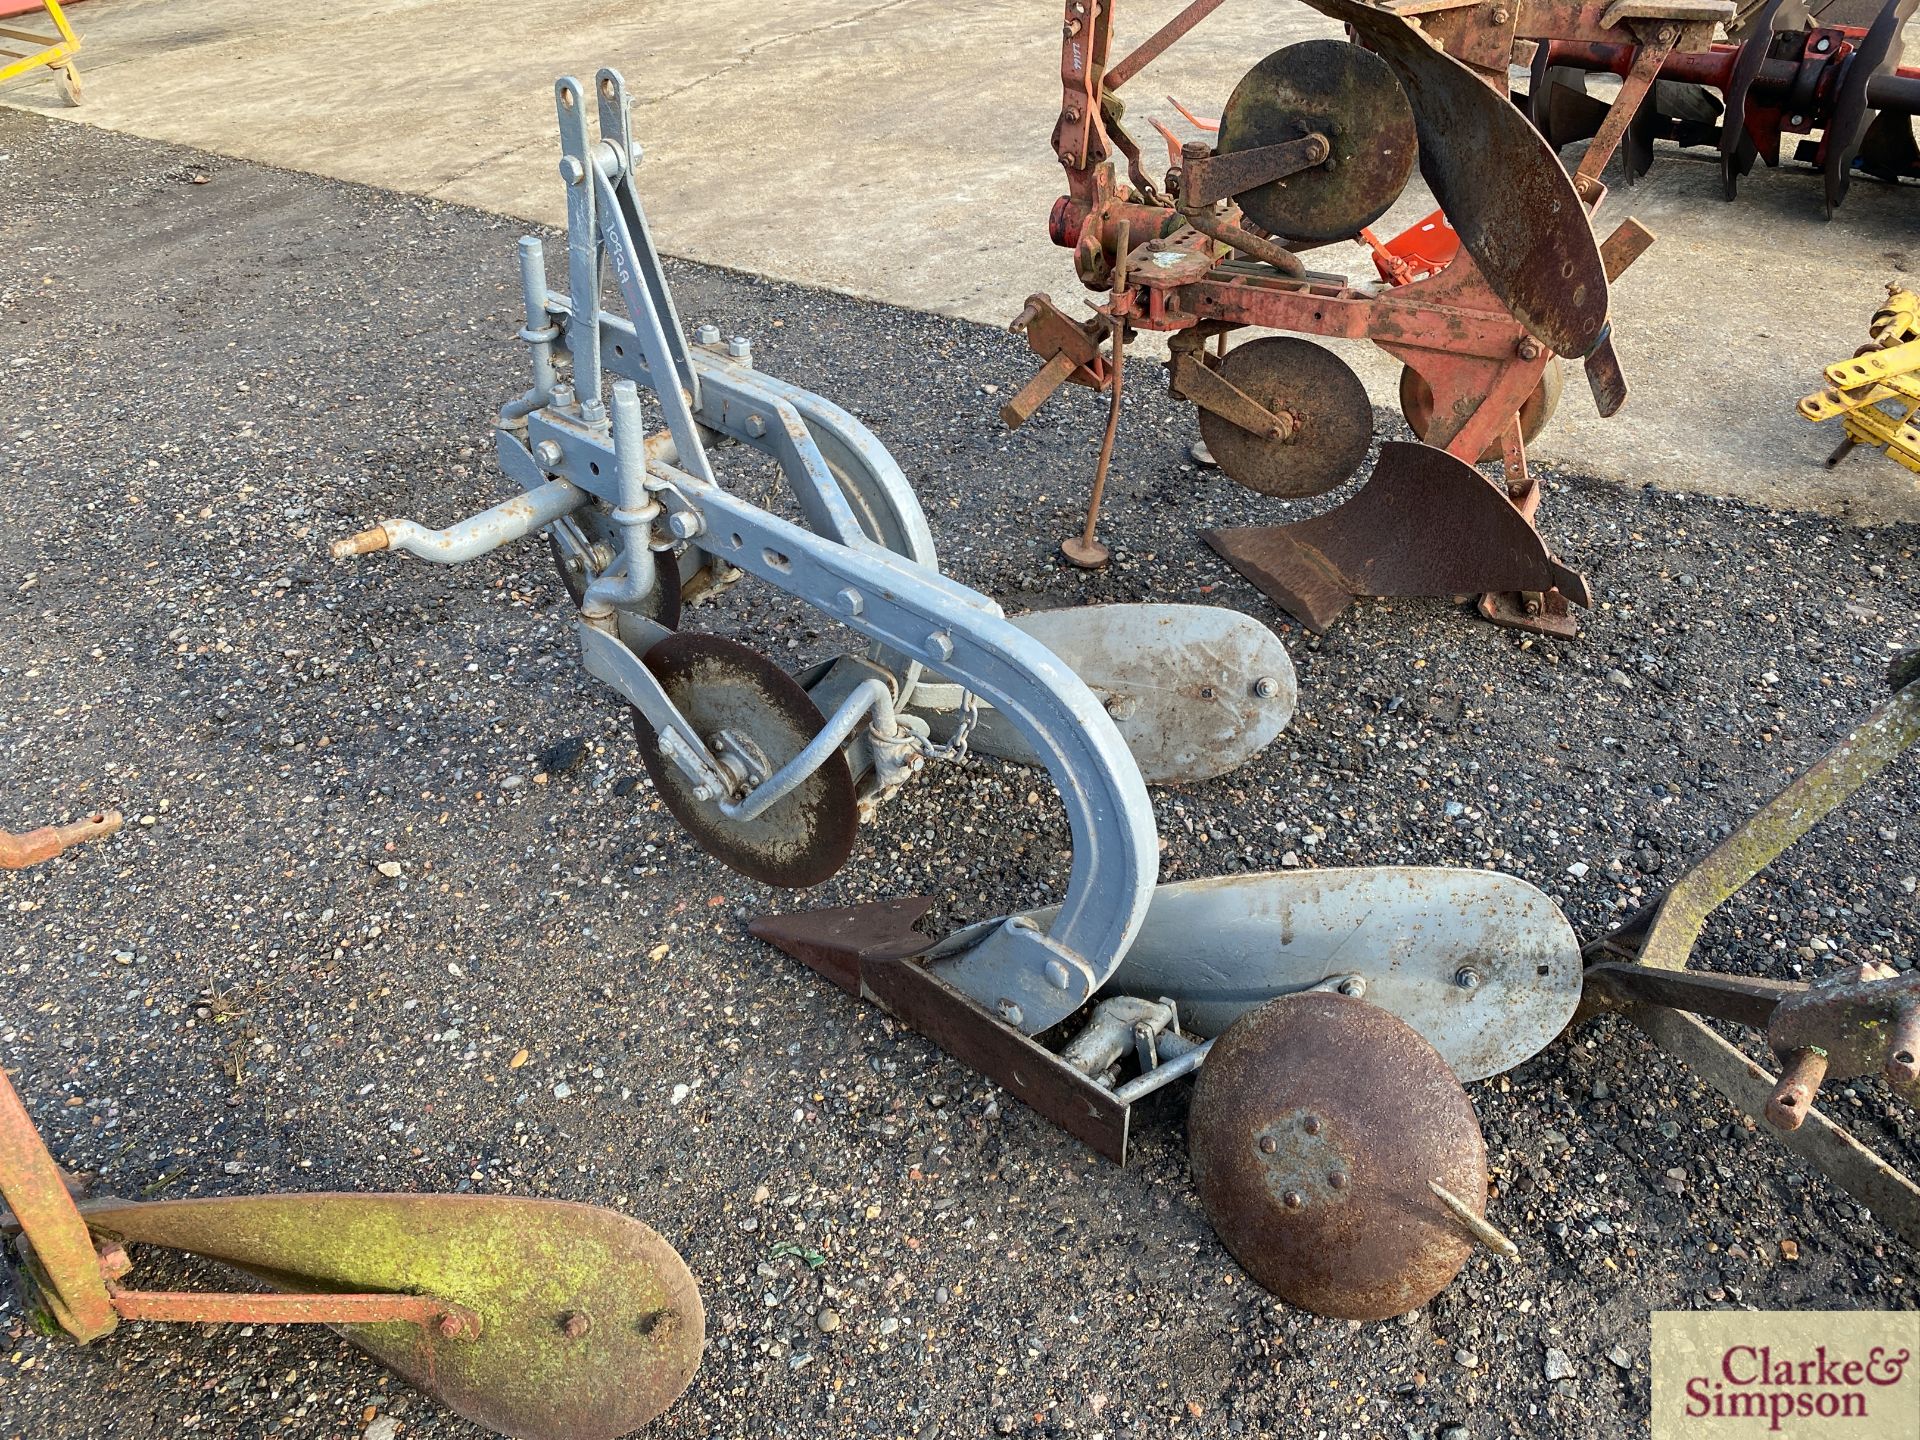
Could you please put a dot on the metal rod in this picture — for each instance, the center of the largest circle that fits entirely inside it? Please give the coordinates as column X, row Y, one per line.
column 452, row 1322
column 62, row 1246
column 1156, row 44
column 19, row 851
column 1475, row 1225
column 869, row 696
column 1882, row 737
column 634, row 511
column 1163, row 1074
column 1088, row 552
column 476, row 535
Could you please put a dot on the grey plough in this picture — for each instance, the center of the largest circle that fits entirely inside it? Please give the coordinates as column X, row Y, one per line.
column 1329, row 1015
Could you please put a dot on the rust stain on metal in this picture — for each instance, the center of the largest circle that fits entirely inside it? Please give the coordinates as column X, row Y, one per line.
column 34, row 846
column 1318, row 1125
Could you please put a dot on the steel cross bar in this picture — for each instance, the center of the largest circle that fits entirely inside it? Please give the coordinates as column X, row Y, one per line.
column 1878, row 740
column 68, row 1266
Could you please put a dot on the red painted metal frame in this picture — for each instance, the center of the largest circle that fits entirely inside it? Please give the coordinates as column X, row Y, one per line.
column 1445, row 324
column 1814, row 73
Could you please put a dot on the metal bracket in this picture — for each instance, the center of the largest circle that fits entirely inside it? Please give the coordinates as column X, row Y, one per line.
column 1206, row 180
column 1195, row 380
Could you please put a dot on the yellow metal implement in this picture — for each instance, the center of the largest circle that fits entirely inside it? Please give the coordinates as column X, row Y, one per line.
column 1876, row 394
column 55, row 52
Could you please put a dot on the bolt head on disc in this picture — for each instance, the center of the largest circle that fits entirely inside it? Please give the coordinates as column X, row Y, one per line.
column 1317, row 1123
column 1333, row 419
column 806, row 835
column 1350, row 96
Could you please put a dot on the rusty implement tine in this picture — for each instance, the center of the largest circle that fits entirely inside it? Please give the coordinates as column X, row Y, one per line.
column 1876, row 742
column 1035, row 393
column 19, row 851
column 62, row 1261
column 1627, row 243
column 1891, row 1196
column 1605, row 377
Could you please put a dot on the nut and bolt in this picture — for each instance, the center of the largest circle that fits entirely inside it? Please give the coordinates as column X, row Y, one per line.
column 574, row 1324
column 940, row 645
column 1266, row 687
column 850, row 600
column 756, row 425
column 549, row 454
column 1467, row 978
column 1268, row 1144
column 740, row 348
column 1501, row 15
column 1353, row 985
column 1529, row 348
column 571, row 170
column 451, row 1327
column 684, row 524
column 1058, row 975
column 706, row 334
column 114, row 1260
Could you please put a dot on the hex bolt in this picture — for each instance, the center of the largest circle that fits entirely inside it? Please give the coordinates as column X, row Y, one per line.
column 571, row 170
column 1353, row 985
column 1010, row 1012
column 1058, row 975
column 850, row 600
column 1266, row 687
column 1501, row 15
column 1310, row 1124
column 1467, row 978
column 685, row 524
column 574, row 1324
column 562, row 396
column 549, row 454
column 1529, row 348
column 740, row 348
column 940, row 644
column 756, row 425
column 1338, row 1179
column 706, row 335
column 1293, row 1199
column 451, row 1327
column 1268, row 1144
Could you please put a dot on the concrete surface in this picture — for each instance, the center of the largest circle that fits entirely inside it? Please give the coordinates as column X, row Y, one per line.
column 898, row 151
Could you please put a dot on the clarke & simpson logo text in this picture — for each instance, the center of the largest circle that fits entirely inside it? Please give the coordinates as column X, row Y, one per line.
column 1808, row 1375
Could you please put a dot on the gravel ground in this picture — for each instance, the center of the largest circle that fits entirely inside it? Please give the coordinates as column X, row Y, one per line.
column 211, row 368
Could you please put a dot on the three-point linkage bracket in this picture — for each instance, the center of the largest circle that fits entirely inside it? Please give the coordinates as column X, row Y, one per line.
column 862, row 554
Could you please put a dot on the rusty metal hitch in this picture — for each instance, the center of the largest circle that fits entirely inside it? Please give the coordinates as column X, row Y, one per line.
column 1857, row 1022
column 35, row 846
